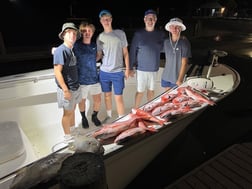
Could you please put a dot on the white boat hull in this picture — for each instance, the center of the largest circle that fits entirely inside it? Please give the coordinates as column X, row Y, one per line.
column 132, row 159
column 30, row 101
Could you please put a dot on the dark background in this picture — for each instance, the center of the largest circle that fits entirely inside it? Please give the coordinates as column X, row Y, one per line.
column 38, row 22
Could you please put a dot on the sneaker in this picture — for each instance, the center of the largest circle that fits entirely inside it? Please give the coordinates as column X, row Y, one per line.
column 68, row 138
column 96, row 121
column 106, row 120
column 85, row 124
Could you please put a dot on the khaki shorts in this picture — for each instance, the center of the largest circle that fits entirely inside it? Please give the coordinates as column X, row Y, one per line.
column 90, row 89
column 68, row 104
column 146, row 80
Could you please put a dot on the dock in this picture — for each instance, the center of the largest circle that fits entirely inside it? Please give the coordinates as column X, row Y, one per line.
column 230, row 169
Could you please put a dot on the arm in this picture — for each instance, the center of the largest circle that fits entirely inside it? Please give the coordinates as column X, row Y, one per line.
column 126, row 61
column 185, row 60
column 99, row 55
column 182, row 71
column 133, row 51
column 58, row 74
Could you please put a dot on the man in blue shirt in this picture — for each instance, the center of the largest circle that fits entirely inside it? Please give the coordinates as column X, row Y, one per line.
column 86, row 52
column 145, row 49
column 66, row 76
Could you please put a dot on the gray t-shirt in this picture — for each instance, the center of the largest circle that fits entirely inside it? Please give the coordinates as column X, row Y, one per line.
column 173, row 57
column 112, row 44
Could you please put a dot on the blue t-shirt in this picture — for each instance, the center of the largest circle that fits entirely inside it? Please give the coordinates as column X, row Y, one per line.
column 86, row 61
column 145, row 49
column 65, row 56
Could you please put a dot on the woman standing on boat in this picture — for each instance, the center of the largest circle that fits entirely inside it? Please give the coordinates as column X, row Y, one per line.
column 177, row 50
column 66, row 76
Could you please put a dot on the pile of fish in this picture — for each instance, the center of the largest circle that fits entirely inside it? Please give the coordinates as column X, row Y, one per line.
column 158, row 112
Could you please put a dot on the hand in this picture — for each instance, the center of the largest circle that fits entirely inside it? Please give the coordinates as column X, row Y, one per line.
column 178, row 83
column 127, row 73
column 67, row 95
column 132, row 73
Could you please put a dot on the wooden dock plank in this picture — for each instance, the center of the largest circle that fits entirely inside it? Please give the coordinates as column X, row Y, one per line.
column 244, row 152
column 219, row 177
column 208, row 180
column 233, row 176
column 231, row 169
column 182, row 185
column 239, row 161
column 195, row 182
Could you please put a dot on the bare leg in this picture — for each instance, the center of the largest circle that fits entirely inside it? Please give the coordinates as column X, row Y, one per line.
column 138, row 98
column 82, row 105
column 108, row 100
column 96, row 102
column 68, row 120
column 150, row 94
column 119, row 105
column 108, row 105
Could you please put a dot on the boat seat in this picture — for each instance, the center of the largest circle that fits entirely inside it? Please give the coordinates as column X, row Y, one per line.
column 11, row 141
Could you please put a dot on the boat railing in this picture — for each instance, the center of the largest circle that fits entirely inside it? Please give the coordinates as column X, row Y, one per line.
column 14, row 80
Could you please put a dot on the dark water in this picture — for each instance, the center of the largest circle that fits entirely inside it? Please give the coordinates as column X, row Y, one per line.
column 217, row 128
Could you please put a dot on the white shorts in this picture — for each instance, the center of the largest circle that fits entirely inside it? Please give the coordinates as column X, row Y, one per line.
column 146, row 80
column 93, row 89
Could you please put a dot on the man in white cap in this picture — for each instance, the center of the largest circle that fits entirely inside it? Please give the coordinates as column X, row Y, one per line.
column 177, row 50
column 66, row 76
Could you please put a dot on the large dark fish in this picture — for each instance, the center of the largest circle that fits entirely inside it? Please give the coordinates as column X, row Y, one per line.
column 47, row 168
column 84, row 143
column 40, row 171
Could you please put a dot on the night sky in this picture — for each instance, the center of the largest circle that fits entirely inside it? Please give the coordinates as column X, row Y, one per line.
column 35, row 22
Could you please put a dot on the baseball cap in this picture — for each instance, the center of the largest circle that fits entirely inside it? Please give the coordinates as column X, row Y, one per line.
column 105, row 12
column 150, row 11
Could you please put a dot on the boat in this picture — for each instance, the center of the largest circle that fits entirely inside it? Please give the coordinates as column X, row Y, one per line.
column 31, row 121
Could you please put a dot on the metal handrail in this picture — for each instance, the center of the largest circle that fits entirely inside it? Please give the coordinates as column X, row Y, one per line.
column 21, row 79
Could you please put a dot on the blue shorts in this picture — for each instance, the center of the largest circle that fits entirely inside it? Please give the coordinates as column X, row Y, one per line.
column 167, row 84
column 116, row 79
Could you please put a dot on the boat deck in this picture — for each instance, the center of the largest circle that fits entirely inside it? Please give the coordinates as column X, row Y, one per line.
column 232, row 168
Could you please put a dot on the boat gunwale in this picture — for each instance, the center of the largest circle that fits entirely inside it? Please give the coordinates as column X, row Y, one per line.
column 149, row 136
